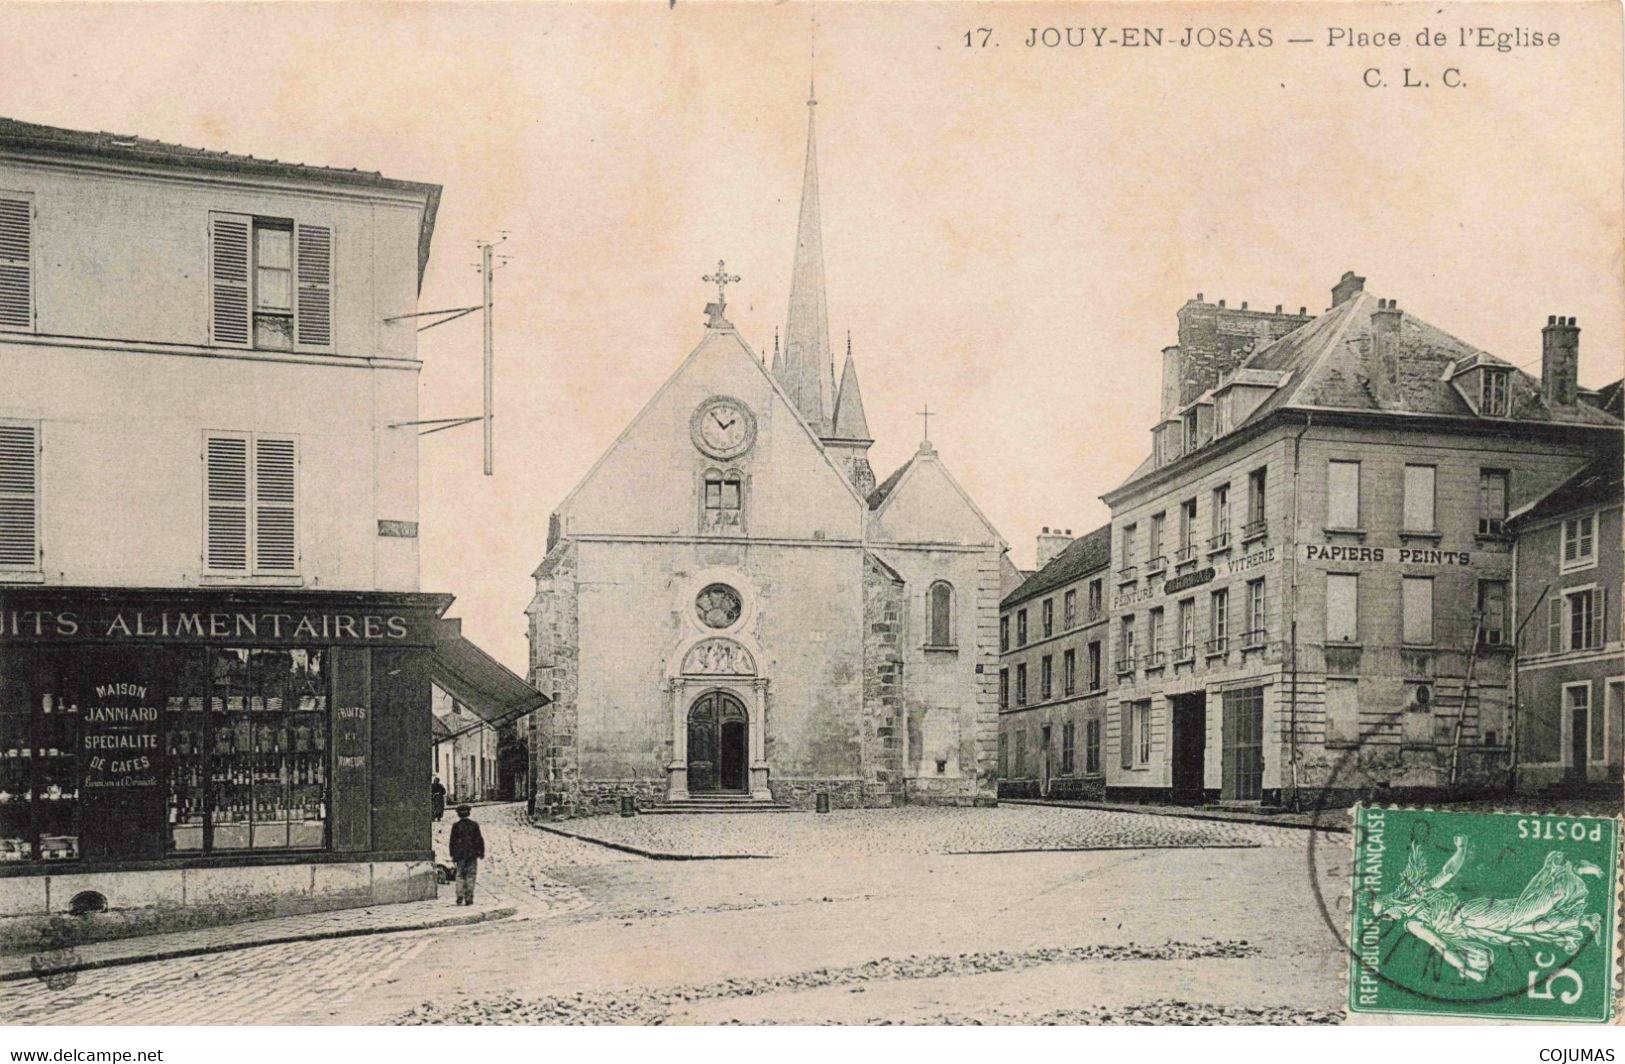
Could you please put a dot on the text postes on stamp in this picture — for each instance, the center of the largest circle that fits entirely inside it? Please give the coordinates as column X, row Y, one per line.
column 1484, row 914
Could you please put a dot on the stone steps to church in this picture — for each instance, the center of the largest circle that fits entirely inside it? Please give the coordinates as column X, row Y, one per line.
column 716, row 805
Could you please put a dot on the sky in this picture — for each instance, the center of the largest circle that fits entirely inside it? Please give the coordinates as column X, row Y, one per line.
column 1008, row 231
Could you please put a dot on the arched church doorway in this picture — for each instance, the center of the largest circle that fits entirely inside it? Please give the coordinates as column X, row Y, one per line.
column 718, row 744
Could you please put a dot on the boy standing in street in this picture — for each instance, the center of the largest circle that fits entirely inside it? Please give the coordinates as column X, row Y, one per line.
column 467, row 847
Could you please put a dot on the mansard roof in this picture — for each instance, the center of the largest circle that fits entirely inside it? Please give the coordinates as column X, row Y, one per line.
column 1333, row 363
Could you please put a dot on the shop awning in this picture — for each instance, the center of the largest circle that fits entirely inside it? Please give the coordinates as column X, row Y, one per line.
column 484, row 685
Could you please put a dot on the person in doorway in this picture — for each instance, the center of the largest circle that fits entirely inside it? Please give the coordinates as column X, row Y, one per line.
column 438, row 795
column 467, row 847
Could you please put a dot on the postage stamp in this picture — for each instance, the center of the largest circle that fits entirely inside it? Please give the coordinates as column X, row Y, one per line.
column 1484, row 914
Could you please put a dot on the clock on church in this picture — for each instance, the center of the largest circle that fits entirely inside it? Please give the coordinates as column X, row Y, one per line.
column 723, row 427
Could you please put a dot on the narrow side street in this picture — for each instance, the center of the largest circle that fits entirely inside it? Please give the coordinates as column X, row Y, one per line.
column 1205, row 935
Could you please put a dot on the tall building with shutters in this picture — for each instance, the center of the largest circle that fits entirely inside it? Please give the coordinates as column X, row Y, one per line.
column 1311, row 571
column 214, row 652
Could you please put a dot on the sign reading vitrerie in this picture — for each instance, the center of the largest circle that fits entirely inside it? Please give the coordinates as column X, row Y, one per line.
column 1492, row 915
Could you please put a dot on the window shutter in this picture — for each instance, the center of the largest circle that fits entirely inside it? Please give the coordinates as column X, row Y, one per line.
column 226, row 504
column 275, row 542
column 1599, row 616
column 16, row 263
column 228, row 279
column 315, row 307
column 1554, row 628
column 19, row 496
column 1128, row 735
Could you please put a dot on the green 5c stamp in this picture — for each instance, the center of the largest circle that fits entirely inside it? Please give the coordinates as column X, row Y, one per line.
column 1494, row 915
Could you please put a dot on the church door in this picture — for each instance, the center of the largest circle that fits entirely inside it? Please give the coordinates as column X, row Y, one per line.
column 718, row 741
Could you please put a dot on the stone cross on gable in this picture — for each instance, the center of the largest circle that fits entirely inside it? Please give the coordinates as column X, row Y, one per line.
column 925, row 415
column 722, row 279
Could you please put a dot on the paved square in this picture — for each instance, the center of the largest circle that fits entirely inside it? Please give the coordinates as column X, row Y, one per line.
column 868, row 917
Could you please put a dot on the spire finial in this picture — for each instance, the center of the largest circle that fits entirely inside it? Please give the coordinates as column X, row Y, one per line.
column 849, row 343
column 925, row 414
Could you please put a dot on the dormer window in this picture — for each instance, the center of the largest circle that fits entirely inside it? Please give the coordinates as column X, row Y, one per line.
column 1493, row 398
column 1190, row 430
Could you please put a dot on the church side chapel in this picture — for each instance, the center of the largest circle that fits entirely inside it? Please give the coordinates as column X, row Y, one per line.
column 733, row 614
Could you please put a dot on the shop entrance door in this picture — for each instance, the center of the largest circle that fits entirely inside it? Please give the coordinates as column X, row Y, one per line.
column 120, row 695
column 1043, row 763
column 1189, row 746
column 718, row 744
column 1243, row 776
column 1579, row 737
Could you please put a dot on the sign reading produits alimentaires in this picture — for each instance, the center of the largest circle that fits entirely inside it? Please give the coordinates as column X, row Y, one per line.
column 183, row 625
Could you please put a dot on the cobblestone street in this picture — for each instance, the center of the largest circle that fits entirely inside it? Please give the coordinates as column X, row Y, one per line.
column 871, row 918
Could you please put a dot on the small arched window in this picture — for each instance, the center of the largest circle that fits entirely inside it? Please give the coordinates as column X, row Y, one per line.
column 724, row 499
column 940, row 611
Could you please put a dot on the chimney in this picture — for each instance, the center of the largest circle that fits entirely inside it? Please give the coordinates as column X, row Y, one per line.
column 1559, row 360
column 1173, row 371
column 1382, row 367
column 1050, row 543
column 1348, row 286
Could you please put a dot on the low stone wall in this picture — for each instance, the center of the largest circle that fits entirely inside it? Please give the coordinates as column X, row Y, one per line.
column 36, row 911
column 843, row 794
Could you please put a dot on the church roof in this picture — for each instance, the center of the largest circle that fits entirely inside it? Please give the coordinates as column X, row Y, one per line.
column 806, row 332
column 1084, row 555
column 850, row 422
column 884, row 488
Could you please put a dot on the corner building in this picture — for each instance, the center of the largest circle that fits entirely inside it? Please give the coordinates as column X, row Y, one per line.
column 215, row 657
column 1311, row 572
column 731, row 611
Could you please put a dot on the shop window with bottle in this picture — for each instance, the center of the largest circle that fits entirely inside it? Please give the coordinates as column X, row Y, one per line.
column 118, row 754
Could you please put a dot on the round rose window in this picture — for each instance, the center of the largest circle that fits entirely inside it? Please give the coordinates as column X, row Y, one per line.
column 718, row 606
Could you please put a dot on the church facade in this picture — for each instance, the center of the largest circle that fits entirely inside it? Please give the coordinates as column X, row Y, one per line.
column 730, row 606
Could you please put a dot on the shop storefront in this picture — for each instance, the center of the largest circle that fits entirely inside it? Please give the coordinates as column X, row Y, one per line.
column 179, row 731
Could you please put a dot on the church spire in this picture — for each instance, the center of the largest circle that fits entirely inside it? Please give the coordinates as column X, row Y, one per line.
column 849, row 421
column 806, row 332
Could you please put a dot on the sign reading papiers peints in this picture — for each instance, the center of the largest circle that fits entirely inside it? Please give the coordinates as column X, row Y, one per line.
column 1361, row 555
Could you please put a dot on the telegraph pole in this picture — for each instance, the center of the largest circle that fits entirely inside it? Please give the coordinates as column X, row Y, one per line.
column 489, row 262
column 485, row 270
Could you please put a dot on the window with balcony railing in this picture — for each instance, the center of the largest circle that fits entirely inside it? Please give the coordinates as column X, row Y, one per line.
column 1125, row 665
column 1156, row 565
column 1128, row 574
column 1184, row 653
column 1218, row 645
column 1254, row 637
column 1185, row 555
column 1155, row 659
column 1254, row 530
column 1218, row 541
